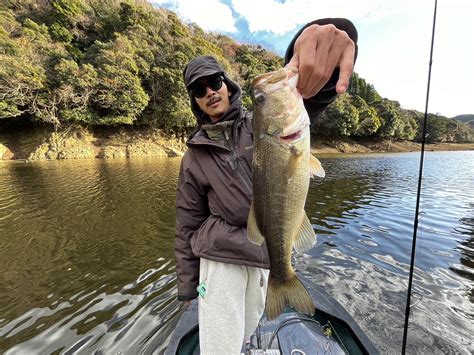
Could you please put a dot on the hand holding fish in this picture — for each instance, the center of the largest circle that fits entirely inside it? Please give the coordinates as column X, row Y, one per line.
column 317, row 52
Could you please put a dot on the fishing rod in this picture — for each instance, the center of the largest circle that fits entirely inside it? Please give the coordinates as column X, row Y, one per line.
column 418, row 194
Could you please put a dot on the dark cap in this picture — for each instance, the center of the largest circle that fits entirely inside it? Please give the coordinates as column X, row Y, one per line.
column 199, row 67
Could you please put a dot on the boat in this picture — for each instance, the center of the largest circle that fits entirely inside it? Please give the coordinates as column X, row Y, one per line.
column 330, row 331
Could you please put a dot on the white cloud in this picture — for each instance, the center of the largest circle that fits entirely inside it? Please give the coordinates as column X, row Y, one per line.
column 272, row 16
column 394, row 44
column 279, row 18
column 394, row 40
column 210, row 15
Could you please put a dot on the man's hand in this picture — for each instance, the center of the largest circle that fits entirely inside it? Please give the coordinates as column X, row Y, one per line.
column 317, row 52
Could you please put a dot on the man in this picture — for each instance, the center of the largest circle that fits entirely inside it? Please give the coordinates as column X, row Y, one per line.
column 214, row 258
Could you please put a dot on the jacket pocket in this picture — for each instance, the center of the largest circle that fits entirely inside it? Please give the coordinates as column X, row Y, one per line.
column 204, row 239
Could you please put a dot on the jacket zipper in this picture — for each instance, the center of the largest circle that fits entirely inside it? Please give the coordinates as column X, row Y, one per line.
column 235, row 163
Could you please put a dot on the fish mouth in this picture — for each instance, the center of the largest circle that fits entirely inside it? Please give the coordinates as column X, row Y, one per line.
column 291, row 137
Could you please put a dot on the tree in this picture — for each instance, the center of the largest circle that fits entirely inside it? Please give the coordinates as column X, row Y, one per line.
column 340, row 118
column 359, row 87
column 120, row 97
column 253, row 61
column 464, row 133
column 76, row 86
column 22, row 75
column 409, row 126
column 109, row 62
column 436, row 128
column 389, row 115
column 369, row 122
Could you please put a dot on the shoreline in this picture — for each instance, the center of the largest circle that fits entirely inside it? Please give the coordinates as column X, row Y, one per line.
column 77, row 142
column 368, row 146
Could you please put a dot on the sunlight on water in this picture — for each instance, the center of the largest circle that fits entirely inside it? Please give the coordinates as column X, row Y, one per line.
column 86, row 251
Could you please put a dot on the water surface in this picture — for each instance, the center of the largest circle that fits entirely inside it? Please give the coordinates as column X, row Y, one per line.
column 86, row 251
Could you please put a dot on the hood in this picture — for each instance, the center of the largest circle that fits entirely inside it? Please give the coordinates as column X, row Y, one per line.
column 205, row 66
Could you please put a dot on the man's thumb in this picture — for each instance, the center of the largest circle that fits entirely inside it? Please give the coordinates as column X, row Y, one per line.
column 294, row 62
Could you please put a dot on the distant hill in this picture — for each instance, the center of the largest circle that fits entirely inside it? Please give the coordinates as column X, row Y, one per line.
column 469, row 119
column 464, row 118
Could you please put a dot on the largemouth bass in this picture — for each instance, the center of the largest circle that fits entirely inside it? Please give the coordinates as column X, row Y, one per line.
column 282, row 166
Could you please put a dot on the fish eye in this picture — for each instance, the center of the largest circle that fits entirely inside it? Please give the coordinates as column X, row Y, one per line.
column 259, row 97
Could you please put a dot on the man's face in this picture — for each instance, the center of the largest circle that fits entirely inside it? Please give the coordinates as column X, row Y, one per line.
column 214, row 100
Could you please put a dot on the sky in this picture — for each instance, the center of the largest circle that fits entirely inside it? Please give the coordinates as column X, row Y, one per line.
column 394, row 41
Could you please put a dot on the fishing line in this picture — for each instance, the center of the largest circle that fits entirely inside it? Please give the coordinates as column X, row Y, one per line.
column 418, row 193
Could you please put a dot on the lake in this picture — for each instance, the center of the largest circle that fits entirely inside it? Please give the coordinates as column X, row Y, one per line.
column 86, row 251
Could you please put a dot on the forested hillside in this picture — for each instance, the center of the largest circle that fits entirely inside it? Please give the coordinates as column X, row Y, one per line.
column 464, row 118
column 107, row 62
column 120, row 62
column 469, row 119
column 362, row 112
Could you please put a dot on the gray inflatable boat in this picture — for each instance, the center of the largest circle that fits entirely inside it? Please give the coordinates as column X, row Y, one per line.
column 330, row 331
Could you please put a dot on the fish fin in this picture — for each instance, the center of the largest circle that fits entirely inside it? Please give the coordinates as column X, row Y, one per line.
column 294, row 161
column 291, row 292
column 253, row 232
column 315, row 167
column 305, row 239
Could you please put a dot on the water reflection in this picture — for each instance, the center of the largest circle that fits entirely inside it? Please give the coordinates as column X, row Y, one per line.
column 87, row 251
column 466, row 256
column 364, row 216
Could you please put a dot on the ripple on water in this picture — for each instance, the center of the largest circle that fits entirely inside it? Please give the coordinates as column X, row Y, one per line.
column 89, row 247
column 368, row 242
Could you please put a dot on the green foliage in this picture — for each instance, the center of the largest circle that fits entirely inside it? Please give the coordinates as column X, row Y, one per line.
column 132, row 14
column 464, row 118
column 120, row 97
column 76, row 86
column 22, row 77
column 359, row 87
column 436, row 128
column 464, row 133
column 469, row 120
column 251, row 62
column 369, row 121
column 106, row 62
column 170, row 102
column 410, row 125
column 446, row 130
column 66, row 11
column 36, row 32
column 8, row 23
column 388, row 111
column 60, row 33
column 118, row 53
column 340, row 119
column 177, row 29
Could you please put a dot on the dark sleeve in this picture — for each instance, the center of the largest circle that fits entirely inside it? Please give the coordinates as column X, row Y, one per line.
column 191, row 211
column 316, row 104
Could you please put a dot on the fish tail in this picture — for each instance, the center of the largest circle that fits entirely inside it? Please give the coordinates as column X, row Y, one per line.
column 281, row 294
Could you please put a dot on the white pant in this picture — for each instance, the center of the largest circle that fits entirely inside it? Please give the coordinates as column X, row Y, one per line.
column 232, row 306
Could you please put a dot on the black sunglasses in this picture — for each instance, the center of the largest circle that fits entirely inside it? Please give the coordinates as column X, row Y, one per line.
column 200, row 89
